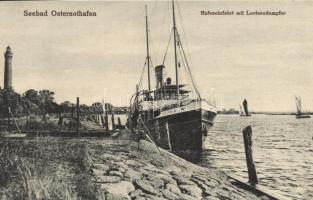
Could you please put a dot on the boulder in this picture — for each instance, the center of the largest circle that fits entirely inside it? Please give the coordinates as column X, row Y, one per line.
column 191, row 190
column 173, row 188
column 170, row 195
column 146, row 187
column 116, row 173
column 118, row 190
column 108, row 179
column 132, row 175
column 135, row 193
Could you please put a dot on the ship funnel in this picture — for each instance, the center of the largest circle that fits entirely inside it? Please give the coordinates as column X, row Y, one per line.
column 159, row 76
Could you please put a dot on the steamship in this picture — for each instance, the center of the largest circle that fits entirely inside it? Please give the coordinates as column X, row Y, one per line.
column 172, row 116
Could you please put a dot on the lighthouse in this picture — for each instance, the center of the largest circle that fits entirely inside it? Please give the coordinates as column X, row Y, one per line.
column 8, row 55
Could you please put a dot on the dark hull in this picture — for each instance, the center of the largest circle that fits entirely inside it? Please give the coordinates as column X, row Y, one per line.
column 302, row 116
column 184, row 133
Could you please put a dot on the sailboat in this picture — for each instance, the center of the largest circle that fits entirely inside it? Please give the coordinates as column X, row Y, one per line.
column 299, row 114
column 170, row 115
column 245, row 107
column 241, row 113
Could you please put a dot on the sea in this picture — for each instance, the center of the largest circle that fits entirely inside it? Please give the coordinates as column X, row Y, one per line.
column 282, row 151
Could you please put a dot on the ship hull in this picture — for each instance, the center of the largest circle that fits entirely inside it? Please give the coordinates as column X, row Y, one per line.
column 182, row 133
column 302, row 116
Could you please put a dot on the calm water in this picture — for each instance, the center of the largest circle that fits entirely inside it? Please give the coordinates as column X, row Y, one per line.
column 282, row 151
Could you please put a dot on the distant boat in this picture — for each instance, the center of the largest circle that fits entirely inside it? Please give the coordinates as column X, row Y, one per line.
column 299, row 114
column 245, row 107
column 241, row 113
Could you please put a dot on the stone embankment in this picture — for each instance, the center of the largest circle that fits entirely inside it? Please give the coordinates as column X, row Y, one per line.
column 64, row 168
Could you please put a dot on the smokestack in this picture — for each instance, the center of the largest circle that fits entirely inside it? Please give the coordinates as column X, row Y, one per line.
column 159, row 76
column 8, row 55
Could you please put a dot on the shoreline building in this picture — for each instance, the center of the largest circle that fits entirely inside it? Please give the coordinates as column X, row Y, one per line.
column 8, row 55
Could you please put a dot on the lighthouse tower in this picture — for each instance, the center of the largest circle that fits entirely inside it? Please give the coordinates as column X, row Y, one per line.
column 8, row 55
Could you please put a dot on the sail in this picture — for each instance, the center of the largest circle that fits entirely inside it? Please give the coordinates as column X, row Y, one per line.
column 245, row 107
column 298, row 105
column 240, row 110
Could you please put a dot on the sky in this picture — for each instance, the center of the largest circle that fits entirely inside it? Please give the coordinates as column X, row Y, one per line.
column 265, row 59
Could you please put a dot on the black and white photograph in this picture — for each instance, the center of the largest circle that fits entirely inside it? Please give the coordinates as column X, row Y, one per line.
column 152, row 100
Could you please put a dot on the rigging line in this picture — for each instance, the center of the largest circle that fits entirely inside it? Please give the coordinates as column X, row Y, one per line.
column 188, row 75
column 189, row 71
column 186, row 72
column 151, row 63
column 141, row 76
column 148, row 133
column 194, row 84
column 168, row 44
column 184, row 32
column 190, row 81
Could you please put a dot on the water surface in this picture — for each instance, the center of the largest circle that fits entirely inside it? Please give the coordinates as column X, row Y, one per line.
column 282, row 151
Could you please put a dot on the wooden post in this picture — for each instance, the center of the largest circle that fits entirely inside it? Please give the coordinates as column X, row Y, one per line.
column 247, row 138
column 113, row 123
column 99, row 120
column 106, row 118
column 60, row 122
column 72, row 116
column 119, row 123
column 102, row 120
column 168, row 135
column 72, row 111
column 77, row 108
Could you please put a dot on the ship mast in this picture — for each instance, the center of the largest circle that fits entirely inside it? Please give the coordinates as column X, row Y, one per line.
column 148, row 55
column 175, row 31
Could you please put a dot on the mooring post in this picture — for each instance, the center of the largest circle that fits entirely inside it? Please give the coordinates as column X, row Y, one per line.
column 247, row 139
column 168, row 135
column 119, row 123
column 72, row 116
column 72, row 111
column 77, row 108
column 106, row 118
column 113, row 121
column 102, row 120
column 60, row 122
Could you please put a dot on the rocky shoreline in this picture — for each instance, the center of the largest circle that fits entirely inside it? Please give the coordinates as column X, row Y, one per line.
column 93, row 168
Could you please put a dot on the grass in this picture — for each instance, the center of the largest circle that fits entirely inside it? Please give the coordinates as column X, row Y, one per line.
column 45, row 168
